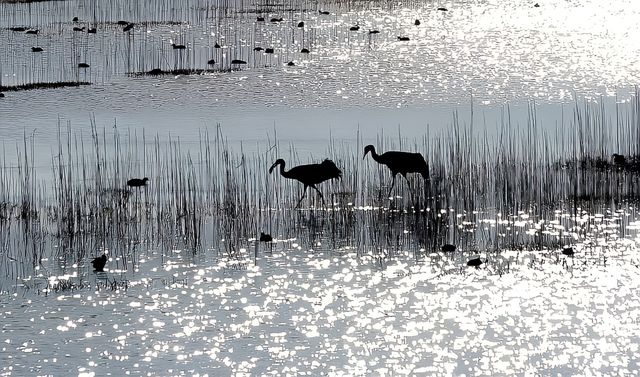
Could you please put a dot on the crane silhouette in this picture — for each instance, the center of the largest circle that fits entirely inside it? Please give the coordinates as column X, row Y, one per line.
column 400, row 162
column 309, row 175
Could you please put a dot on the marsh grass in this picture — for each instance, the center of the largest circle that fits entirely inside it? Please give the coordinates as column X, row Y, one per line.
column 485, row 195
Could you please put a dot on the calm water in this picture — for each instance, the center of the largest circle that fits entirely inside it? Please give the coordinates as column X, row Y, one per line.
column 363, row 290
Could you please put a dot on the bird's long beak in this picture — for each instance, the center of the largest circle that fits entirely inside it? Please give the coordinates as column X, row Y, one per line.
column 365, row 154
column 272, row 167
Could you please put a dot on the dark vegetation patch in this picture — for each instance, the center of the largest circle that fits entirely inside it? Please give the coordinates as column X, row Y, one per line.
column 42, row 85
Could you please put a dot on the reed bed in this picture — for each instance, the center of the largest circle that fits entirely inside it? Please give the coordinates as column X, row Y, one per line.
column 99, row 47
column 484, row 195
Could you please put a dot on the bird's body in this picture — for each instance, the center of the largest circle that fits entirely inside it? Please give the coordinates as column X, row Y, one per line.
column 448, row 248
column 400, row 162
column 265, row 237
column 416, row 22
column 36, row 49
column 301, row 24
column 92, row 30
column 238, row 61
column 269, row 50
column 354, row 28
column 309, row 175
column 211, row 62
column 137, row 182
column 476, row 262
column 99, row 262
column 374, row 31
column 619, row 159
column 304, row 51
column 178, row 47
column 83, row 65
column 568, row 251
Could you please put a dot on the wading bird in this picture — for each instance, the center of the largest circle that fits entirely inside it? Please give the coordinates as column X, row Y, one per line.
column 264, row 237
column 99, row 262
column 448, row 248
column 619, row 159
column 476, row 262
column 309, row 175
column 400, row 162
column 137, row 182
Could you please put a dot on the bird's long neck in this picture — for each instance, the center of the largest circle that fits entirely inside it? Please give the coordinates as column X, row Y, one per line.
column 282, row 171
column 376, row 156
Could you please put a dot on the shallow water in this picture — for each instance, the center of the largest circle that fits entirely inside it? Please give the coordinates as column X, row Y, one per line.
column 360, row 288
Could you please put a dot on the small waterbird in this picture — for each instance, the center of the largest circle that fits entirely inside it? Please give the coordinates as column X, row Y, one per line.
column 211, row 62
column 304, row 51
column 301, row 24
column 83, row 65
column 324, row 12
column 476, row 262
column 443, row 9
column 403, row 38
column 36, row 49
column 32, row 31
column 354, row 28
column 309, row 175
column 238, row 61
column 416, row 22
column 269, row 50
column 374, row 31
column 448, row 248
column 260, row 19
column 619, row 159
column 99, row 263
column 1, row 95
column 92, row 30
column 568, row 251
column 291, row 64
column 137, row 182
column 400, row 162
column 178, row 47
column 264, row 237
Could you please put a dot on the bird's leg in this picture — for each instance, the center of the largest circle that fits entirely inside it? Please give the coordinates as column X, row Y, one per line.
column 302, row 197
column 321, row 197
column 413, row 199
column 393, row 182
